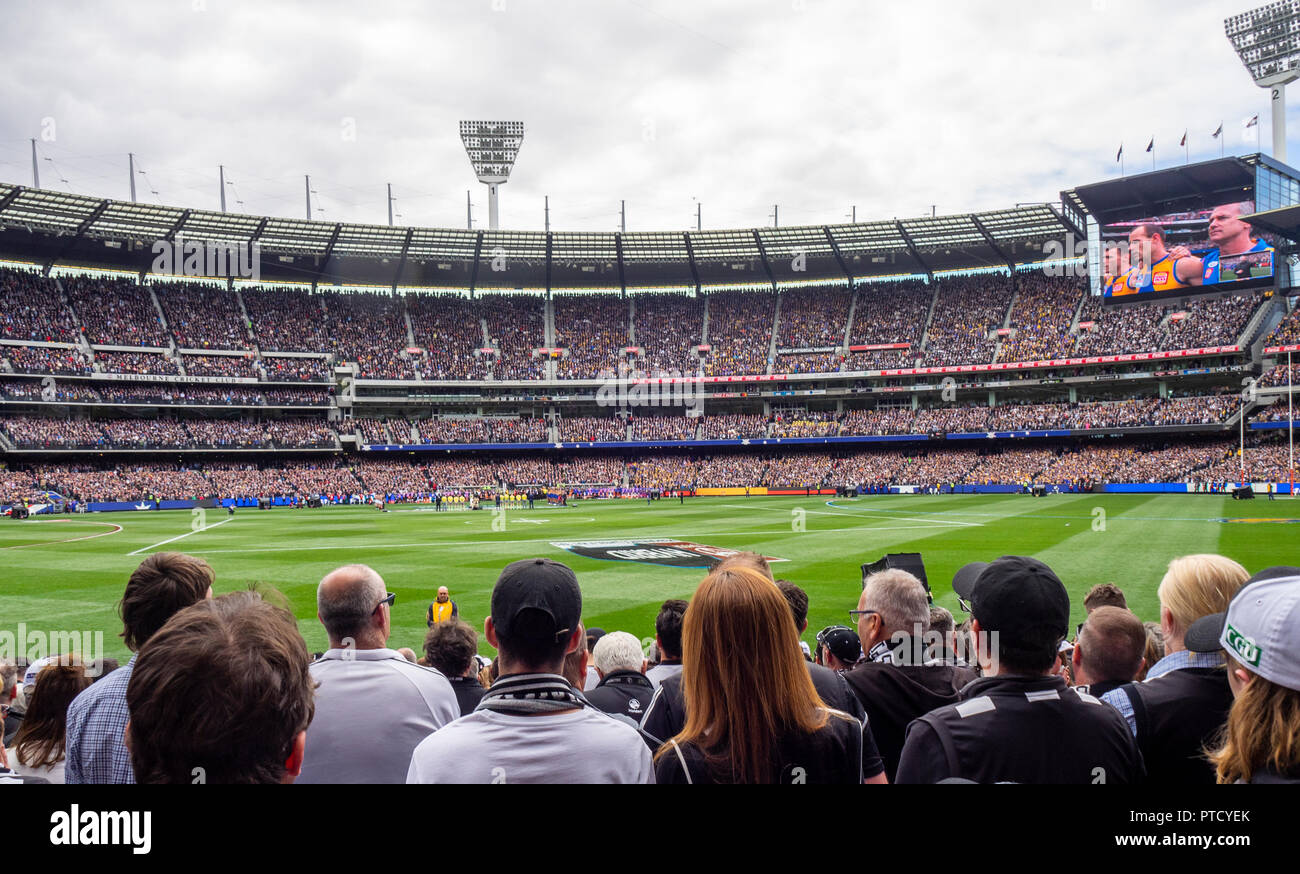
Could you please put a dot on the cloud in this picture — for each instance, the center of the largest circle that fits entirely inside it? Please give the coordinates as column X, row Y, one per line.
column 816, row 105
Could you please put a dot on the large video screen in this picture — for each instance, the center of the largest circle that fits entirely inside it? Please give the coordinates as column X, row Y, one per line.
column 1150, row 258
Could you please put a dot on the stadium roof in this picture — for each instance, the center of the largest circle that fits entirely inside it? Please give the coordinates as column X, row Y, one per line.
column 57, row 227
column 1179, row 189
column 1193, row 186
column 1284, row 222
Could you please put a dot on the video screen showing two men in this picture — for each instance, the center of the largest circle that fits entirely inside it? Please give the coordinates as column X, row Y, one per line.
column 1175, row 254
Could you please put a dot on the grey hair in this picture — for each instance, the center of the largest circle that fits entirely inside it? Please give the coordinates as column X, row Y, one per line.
column 618, row 651
column 345, row 613
column 900, row 599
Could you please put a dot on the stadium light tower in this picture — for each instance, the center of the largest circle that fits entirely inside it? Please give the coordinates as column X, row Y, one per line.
column 1267, row 40
column 492, row 147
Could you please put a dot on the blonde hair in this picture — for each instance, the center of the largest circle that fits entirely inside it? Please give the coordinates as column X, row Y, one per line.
column 1263, row 730
column 1198, row 585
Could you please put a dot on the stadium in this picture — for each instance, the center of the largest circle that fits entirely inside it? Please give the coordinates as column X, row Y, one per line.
column 281, row 396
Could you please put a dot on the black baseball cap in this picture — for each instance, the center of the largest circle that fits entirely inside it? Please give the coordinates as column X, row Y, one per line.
column 1019, row 597
column 536, row 599
column 842, row 641
column 1203, row 634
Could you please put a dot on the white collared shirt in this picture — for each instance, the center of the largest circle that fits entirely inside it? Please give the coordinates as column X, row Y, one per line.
column 373, row 708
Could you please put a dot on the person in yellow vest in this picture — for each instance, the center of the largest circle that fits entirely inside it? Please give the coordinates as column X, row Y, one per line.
column 442, row 609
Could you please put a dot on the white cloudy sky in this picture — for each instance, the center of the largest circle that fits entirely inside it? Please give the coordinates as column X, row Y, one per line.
column 815, row 105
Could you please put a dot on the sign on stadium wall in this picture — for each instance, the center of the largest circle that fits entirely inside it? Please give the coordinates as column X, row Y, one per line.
column 162, row 377
column 880, row 347
column 806, row 350
column 672, row 553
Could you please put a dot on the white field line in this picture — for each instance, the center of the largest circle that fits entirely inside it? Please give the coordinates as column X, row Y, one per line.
column 179, row 536
column 116, row 528
column 934, row 523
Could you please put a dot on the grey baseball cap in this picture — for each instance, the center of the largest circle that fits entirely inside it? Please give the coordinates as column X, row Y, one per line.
column 1262, row 627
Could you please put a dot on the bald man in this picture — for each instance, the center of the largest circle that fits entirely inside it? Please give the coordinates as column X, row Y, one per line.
column 442, row 609
column 1231, row 237
column 372, row 705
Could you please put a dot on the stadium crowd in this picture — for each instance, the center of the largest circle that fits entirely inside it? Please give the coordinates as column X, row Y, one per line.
column 593, row 328
column 202, row 315
column 739, row 332
column 140, row 363
column 449, row 330
column 1041, row 317
column 45, row 359
column 668, row 327
column 31, row 308
column 811, row 317
column 516, row 324
column 967, row 312
column 115, row 312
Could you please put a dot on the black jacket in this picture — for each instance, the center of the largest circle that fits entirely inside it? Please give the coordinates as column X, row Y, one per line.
column 469, row 691
column 1011, row 729
column 894, row 695
column 1178, row 714
column 623, row 692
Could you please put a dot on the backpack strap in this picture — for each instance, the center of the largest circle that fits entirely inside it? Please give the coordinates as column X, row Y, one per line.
column 944, row 733
column 685, row 770
column 1140, row 718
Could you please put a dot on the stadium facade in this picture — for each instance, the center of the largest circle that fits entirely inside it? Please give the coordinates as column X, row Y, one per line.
column 949, row 352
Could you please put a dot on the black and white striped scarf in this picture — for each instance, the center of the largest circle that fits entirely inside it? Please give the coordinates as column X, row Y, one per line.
column 522, row 694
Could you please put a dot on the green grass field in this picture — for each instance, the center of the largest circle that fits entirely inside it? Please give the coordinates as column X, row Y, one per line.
column 52, row 581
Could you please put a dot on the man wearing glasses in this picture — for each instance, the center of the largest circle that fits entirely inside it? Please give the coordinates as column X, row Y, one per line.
column 892, row 681
column 372, row 706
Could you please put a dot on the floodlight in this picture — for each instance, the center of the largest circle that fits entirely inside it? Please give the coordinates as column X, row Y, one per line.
column 492, row 147
column 1267, row 40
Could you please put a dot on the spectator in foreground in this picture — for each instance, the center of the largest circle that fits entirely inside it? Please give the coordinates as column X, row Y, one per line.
column 668, row 637
column 1179, row 708
column 368, row 693
column 667, row 713
column 164, row 584
column 623, row 688
column 222, row 694
column 1018, row 723
column 39, row 747
column 532, row 726
column 450, row 647
column 1261, row 741
column 1108, row 651
column 893, row 692
column 756, row 719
